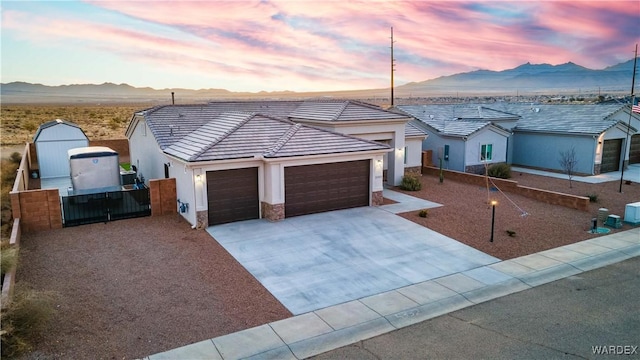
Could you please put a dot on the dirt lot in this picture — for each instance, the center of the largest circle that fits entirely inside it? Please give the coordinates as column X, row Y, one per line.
column 132, row 288
column 136, row 287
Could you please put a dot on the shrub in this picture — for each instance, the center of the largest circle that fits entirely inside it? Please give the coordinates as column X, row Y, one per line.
column 593, row 198
column 16, row 157
column 8, row 257
column 423, row 213
column 24, row 318
column 501, row 170
column 410, row 183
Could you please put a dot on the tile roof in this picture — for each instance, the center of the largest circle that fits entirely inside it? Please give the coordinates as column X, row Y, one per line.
column 465, row 119
column 573, row 119
column 246, row 135
column 171, row 122
column 443, row 118
column 335, row 111
column 412, row 129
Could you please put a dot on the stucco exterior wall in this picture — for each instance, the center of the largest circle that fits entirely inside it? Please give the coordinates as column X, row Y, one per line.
column 436, row 143
column 484, row 137
column 413, row 152
column 543, row 150
column 145, row 153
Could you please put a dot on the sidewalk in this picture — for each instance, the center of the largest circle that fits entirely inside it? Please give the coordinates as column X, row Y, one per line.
column 632, row 173
column 326, row 329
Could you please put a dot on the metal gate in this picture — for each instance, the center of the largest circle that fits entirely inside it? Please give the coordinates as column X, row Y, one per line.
column 106, row 206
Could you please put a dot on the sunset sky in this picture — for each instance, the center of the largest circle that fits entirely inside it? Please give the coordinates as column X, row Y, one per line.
column 303, row 45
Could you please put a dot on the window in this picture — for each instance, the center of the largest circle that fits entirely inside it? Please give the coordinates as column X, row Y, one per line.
column 486, row 152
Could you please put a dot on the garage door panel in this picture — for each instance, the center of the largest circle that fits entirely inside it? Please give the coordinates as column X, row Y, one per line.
column 611, row 150
column 233, row 195
column 325, row 187
column 634, row 152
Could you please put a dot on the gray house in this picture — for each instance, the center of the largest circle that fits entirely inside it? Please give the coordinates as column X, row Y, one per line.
column 467, row 137
column 530, row 135
column 597, row 133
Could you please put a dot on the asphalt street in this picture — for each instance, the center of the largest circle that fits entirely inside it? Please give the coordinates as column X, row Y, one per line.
column 593, row 315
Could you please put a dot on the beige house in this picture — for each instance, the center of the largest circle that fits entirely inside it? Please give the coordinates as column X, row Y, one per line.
column 235, row 161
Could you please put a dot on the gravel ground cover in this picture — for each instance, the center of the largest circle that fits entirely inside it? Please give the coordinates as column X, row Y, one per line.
column 132, row 288
column 466, row 214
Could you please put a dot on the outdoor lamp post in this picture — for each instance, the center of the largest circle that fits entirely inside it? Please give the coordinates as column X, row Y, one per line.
column 493, row 217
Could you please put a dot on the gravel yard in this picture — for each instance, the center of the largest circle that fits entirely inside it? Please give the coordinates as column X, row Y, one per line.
column 466, row 215
column 132, row 288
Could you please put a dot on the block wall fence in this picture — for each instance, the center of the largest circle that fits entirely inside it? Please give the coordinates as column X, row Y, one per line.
column 549, row 197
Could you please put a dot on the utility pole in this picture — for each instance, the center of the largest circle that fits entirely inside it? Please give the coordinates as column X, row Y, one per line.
column 393, row 65
column 626, row 141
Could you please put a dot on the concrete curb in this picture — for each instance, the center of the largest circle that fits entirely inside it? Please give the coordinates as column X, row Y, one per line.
column 326, row 329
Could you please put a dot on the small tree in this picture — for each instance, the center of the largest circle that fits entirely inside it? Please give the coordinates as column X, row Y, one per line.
column 568, row 161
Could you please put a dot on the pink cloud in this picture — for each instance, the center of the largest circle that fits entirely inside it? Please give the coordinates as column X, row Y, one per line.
column 340, row 44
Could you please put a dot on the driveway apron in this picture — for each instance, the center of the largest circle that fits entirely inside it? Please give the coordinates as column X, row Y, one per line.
column 315, row 261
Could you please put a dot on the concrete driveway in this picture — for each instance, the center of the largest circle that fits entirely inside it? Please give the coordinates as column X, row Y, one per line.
column 315, row 261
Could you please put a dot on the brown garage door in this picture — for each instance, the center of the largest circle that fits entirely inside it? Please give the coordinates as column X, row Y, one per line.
column 611, row 155
column 317, row 188
column 233, row 195
column 634, row 152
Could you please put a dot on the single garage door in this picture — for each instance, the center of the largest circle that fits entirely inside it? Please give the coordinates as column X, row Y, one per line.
column 634, row 152
column 611, row 155
column 233, row 195
column 325, row 187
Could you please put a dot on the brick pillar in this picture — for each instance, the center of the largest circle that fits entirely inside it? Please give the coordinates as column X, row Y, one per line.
column 37, row 210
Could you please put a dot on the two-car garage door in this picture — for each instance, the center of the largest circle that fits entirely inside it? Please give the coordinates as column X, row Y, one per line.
column 233, row 194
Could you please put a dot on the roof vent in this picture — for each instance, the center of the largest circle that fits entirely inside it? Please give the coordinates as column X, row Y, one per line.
column 537, row 110
column 170, row 130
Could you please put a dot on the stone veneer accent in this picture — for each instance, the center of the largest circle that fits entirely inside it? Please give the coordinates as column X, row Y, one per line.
column 202, row 219
column 376, row 198
column 272, row 212
column 475, row 169
column 596, row 169
column 417, row 170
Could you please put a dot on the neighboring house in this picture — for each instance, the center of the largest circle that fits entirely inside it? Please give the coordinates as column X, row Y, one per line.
column 232, row 166
column 52, row 141
column 597, row 133
column 467, row 138
column 462, row 135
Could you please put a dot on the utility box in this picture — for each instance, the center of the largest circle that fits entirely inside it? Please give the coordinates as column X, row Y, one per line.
column 632, row 213
column 613, row 221
column 94, row 169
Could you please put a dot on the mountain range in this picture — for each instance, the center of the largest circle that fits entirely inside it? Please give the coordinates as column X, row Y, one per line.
column 525, row 79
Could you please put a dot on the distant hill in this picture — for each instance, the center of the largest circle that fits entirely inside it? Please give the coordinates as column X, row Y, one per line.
column 529, row 78
column 524, row 79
